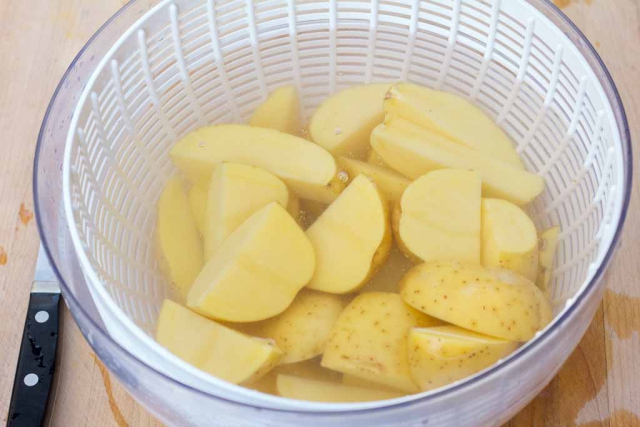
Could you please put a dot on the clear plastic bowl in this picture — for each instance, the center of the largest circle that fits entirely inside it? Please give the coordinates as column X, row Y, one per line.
column 592, row 224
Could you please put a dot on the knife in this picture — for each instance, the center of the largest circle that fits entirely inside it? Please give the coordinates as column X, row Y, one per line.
column 36, row 362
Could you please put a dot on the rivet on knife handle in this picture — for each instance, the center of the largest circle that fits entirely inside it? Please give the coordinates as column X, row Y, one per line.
column 36, row 362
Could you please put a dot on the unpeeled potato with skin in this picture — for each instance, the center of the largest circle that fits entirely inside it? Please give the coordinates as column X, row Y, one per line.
column 491, row 301
column 302, row 330
column 441, row 355
column 548, row 241
column 351, row 238
column 369, row 340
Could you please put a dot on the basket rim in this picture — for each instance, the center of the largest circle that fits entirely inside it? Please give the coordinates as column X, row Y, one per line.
column 606, row 81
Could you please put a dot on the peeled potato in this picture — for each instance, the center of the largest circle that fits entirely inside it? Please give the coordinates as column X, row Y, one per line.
column 257, row 271
column 351, row 380
column 236, row 192
column 414, row 151
column 214, row 348
column 438, row 217
column 177, row 235
column 444, row 354
column 369, row 340
column 491, row 301
column 309, row 369
column 343, row 122
column 281, row 111
column 453, row 117
column 351, row 238
column 509, row 238
column 548, row 241
column 309, row 169
column 390, row 184
column 325, row 391
column 198, row 194
column 302, row 330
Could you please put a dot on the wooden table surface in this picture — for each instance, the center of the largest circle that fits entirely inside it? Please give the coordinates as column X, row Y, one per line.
column 599, row 385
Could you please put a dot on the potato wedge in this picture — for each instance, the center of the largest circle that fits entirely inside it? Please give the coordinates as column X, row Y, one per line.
column 452, row 116
column 302, row 330
column 198, row 194
column 309, row 369
column 547, row 244
column 441, row 355
column 351, row 238
column 281, row 111
column 177, row 237
column 236, row 192
column 343, row 122
column 438, row 217
column 325, row 391
column 308, row 168
column 214, row 348
column 257, row 271
column 390, row 184
column 509, row 238
column 414, row 151
column 387, row 278
column 352, row 380
column 369, row 340
column 491, row 301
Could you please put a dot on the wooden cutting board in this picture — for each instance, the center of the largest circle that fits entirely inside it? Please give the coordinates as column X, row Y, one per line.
column 599, row 385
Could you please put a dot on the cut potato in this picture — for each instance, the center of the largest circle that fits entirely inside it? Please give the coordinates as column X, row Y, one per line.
column 236, row 192
column 343, row 122
column 414, row 151
column 214, row 348
column 491, row 301
column 326, row 391
column 281, row 111
column 509, row 238
column 452, row 116
column 309, row 369
column 387, row 278
column 441, row 355
column 369, row 340
column 257, row 271
column 308, row 168
column 177, row 236
column 351, row 238
column 438, row 217
column 352, row 380
column 198, row 194
column 302, row 330
column 390, row 184
column 548, row 242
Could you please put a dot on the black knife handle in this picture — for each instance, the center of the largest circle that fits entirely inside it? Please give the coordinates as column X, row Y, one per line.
column 36, row 362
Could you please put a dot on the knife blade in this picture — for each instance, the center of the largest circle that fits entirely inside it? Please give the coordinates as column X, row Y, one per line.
column 37, row 357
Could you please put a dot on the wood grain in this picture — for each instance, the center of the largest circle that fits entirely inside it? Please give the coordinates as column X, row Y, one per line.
column 600, row 384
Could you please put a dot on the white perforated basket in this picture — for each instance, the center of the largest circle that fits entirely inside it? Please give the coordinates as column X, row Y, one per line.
column 188, row 63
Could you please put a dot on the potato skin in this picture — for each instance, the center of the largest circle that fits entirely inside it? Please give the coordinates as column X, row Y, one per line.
column 369, row 340
column 302, row 330
column 491, row 301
